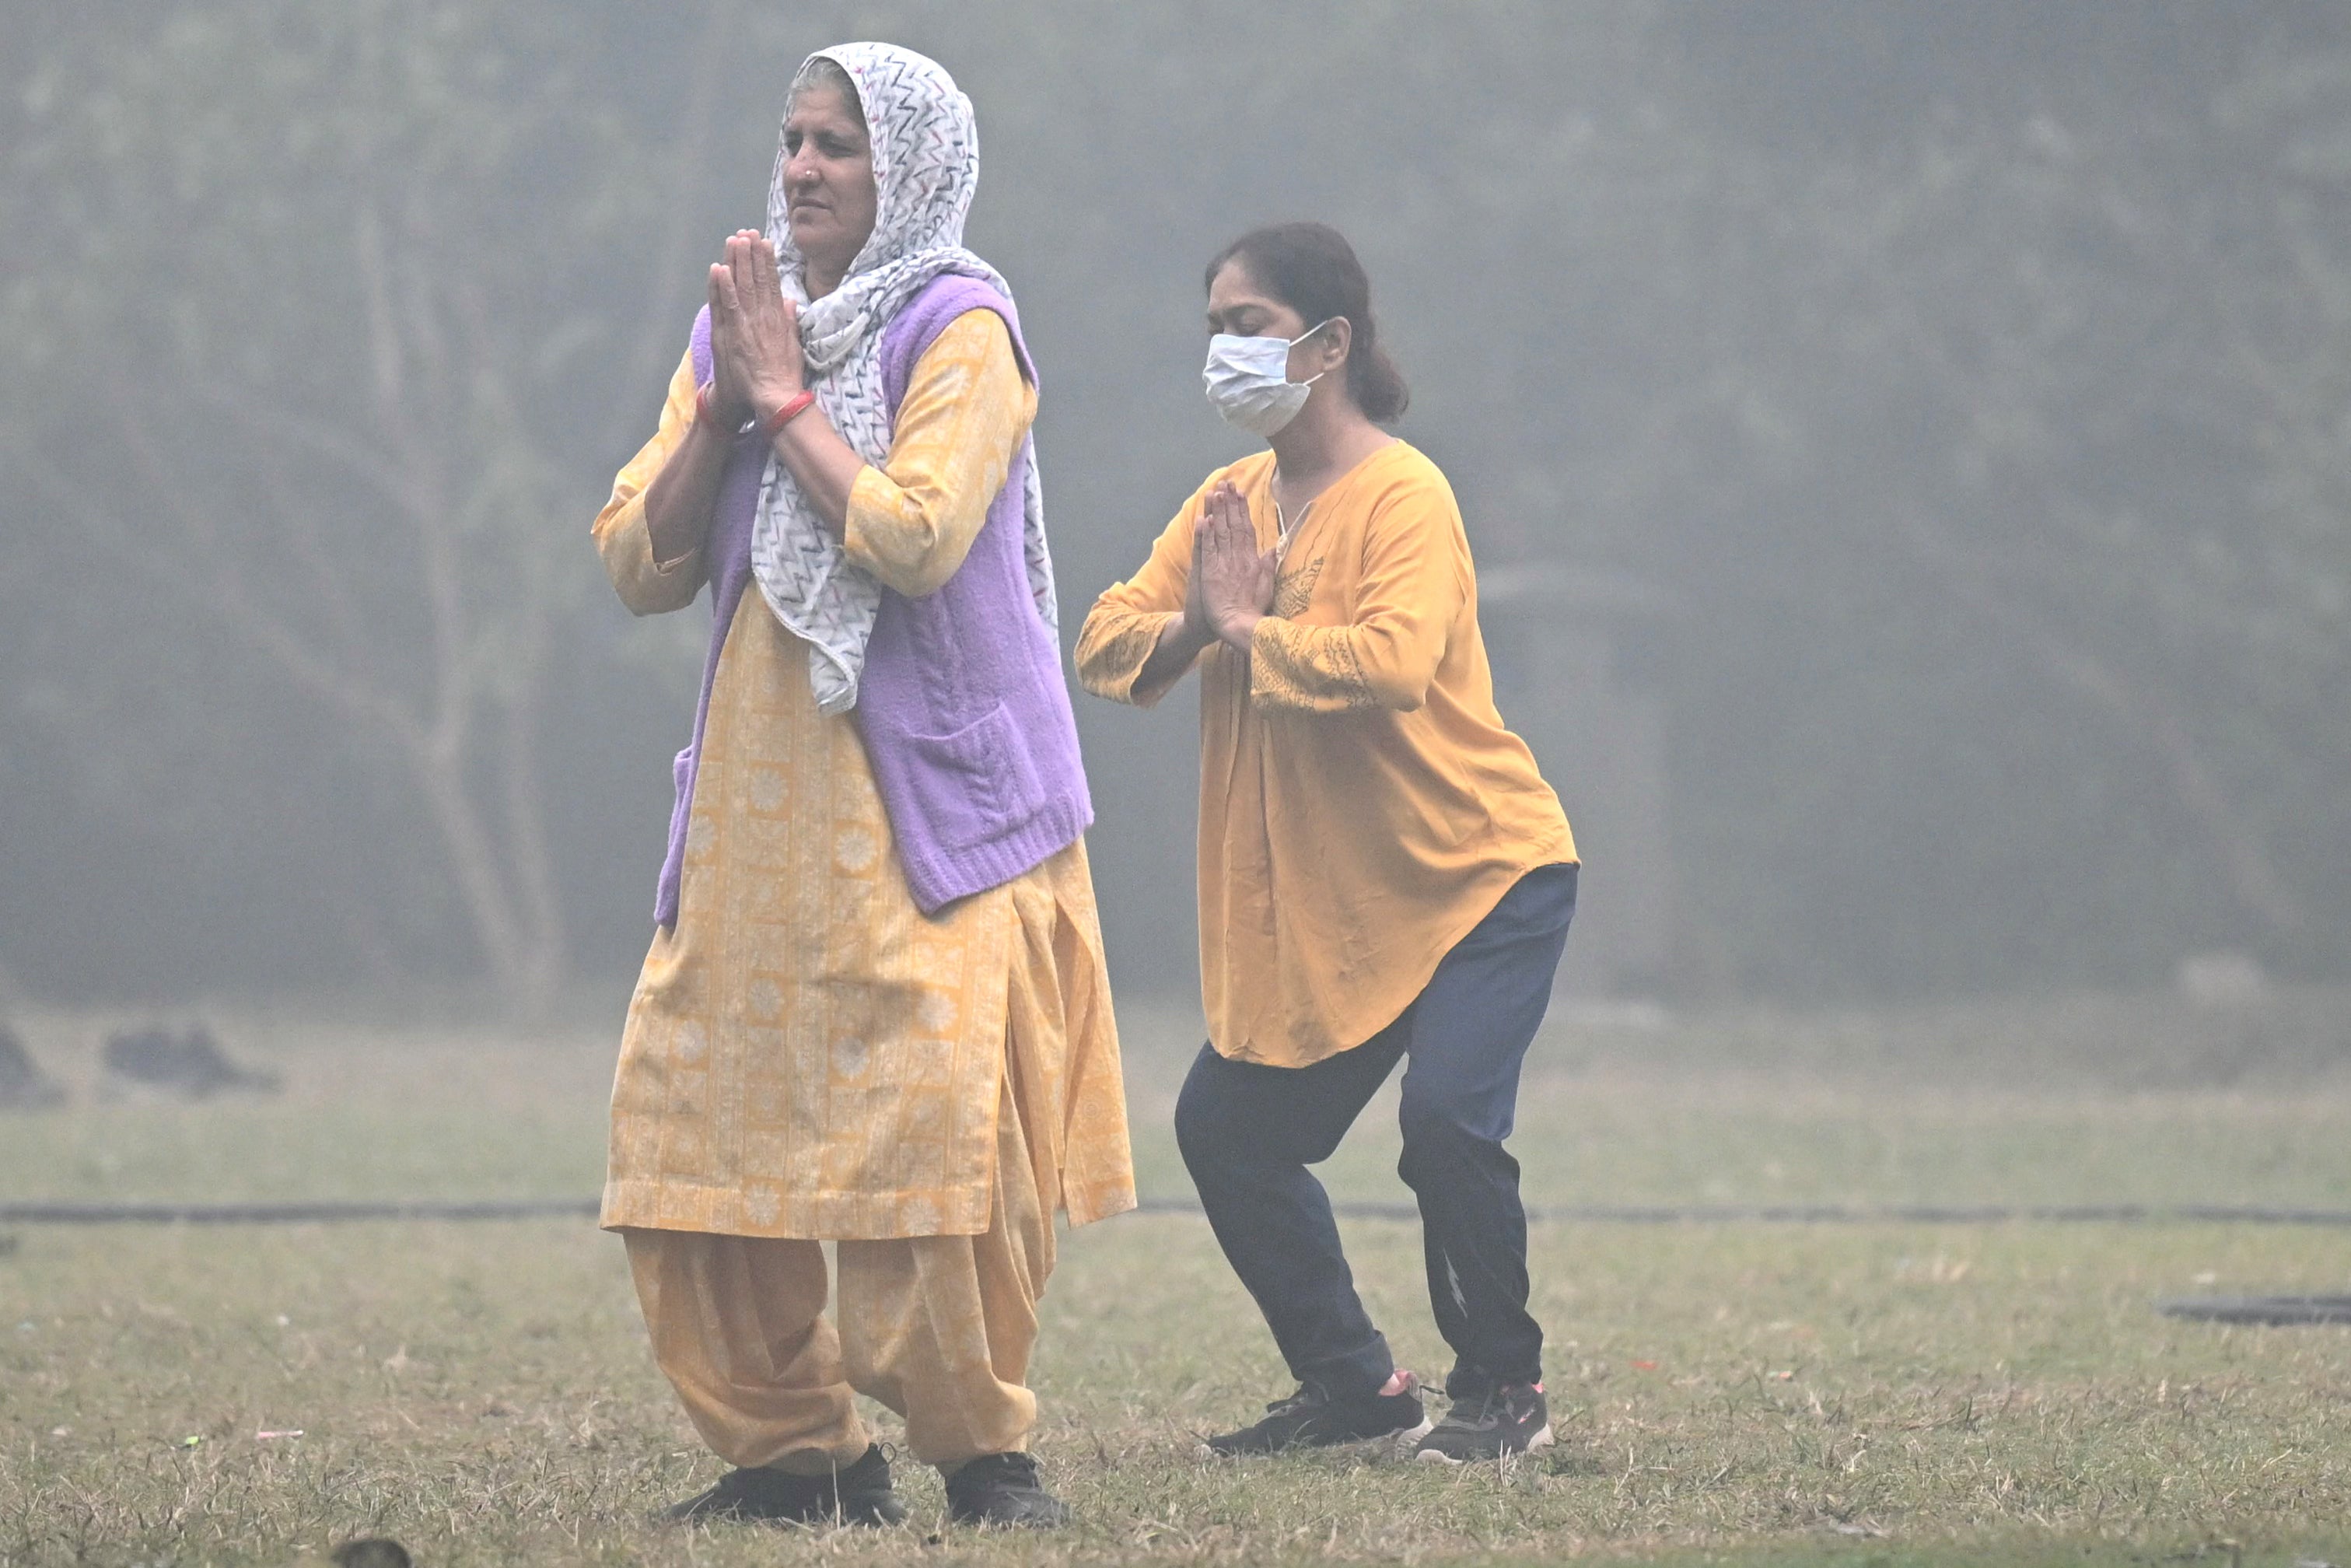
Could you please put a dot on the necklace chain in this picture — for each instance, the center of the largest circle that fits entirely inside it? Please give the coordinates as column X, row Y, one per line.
column 1283, row 530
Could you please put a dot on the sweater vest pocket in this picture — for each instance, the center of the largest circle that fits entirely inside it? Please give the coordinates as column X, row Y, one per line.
column 973, row 784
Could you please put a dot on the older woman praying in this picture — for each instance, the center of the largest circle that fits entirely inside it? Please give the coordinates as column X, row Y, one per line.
column 874, row 1011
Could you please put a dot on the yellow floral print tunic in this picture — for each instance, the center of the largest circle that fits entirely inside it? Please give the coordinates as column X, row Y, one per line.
column 807, row 1054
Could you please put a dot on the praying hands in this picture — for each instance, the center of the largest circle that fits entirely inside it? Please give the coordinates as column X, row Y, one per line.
column 1232, row 578
column 755, row 338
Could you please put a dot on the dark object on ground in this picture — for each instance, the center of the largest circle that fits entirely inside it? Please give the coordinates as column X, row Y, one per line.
column 188, row 1065
column 9, row 1244
column 376, row 1552
column 2277, row 1311
column 22, row 1085
column 1490, row 1424
column 1003, row 1491
column 860, row 1494
column 1311, row 1418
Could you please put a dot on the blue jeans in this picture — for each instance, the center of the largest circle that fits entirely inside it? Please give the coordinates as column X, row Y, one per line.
column 1248, row 1132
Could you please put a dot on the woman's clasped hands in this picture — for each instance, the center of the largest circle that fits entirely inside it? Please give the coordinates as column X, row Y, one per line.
column 757, row 365
column 1232, row 583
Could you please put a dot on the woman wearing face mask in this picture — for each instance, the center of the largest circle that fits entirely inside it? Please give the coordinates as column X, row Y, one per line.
column 875, row 1010
column 1384, row 874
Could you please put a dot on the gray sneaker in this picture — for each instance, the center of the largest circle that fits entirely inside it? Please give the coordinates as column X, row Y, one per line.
column 1511, row 1419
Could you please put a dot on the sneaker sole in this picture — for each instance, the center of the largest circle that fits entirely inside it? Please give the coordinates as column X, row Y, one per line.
column 1403, row 1443
column 1398, row 1443
column 1541, row 1439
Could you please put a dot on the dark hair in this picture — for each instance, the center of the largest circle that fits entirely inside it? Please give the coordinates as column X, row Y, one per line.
column 1311, row 268
column 824, row 71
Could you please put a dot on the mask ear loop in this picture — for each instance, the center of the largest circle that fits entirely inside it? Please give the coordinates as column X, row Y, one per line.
column 1309, row 333
column 1284, row 530
column 1301, row 337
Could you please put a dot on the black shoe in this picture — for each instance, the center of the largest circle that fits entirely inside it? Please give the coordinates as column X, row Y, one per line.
column 188, row 1065
column 1510, row 1418
column 1003, row 1489
column 374, row 1551
column 1311, row 1418
column 859, row 1494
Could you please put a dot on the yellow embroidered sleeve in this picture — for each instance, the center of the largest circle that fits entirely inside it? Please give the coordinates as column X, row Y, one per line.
column 1123, row 628
column 913, row 519
column 646, row 586
column 1415, row 573
column 1291, row 667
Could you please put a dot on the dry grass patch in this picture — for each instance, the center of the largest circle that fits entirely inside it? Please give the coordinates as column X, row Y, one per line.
column 1764, row 1394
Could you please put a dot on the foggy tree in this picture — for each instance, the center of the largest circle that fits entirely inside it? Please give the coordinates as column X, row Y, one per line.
column 1973, row 381
column 2002, row 451
column 302, row 348
column 2118, row 353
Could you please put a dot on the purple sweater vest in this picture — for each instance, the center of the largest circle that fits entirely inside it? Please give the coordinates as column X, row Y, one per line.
column 965, row 716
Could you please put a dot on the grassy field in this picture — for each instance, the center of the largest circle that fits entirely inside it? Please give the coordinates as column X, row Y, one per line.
column 1756, row 1394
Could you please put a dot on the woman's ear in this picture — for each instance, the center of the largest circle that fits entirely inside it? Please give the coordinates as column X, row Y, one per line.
column 1335, row 342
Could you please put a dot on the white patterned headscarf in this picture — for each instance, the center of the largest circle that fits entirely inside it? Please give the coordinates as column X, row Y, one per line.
column 925, row 168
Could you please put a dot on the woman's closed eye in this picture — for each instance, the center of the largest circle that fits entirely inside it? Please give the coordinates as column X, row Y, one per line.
column 827, row 145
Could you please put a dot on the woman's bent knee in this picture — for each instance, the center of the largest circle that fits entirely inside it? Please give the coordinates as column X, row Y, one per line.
column 1441, row 1137
column 1202, row 1124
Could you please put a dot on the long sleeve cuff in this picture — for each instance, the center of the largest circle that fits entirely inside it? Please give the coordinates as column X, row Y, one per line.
column 646, row 586
column 1114, row 646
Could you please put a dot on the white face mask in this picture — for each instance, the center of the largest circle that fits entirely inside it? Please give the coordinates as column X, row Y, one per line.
column 1249, row 379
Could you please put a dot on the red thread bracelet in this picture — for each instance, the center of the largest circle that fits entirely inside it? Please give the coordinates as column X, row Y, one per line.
column 794, row 406
column 703, row 413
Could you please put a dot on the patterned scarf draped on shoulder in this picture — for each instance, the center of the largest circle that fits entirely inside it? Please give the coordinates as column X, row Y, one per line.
column 925, row 168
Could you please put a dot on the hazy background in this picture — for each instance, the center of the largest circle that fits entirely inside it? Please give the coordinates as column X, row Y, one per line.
column 1907, row 447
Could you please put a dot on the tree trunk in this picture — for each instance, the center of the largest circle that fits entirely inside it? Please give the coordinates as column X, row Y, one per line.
column 2245, row 862
column 510, row 897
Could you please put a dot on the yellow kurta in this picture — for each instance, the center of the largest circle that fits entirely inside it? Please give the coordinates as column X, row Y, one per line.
column 938, row 1328
column 807, row 1054
column 1361, row 804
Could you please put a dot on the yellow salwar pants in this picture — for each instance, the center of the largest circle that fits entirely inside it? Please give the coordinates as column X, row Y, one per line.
column 936, row 1328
